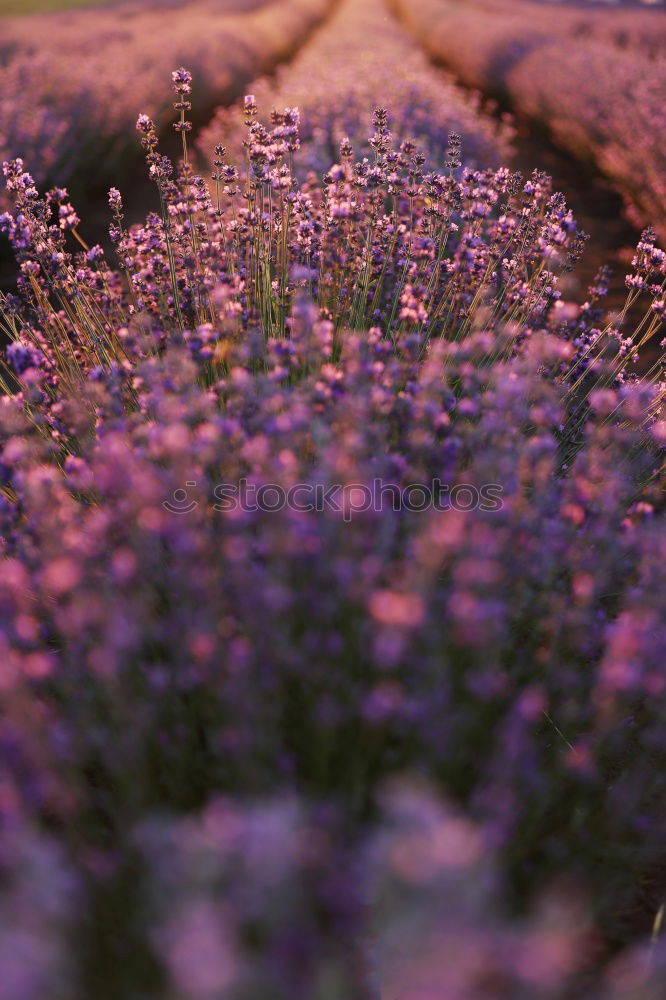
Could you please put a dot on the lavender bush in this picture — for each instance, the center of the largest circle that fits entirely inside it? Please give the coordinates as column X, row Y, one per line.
column 595, row 79
column 208, row 693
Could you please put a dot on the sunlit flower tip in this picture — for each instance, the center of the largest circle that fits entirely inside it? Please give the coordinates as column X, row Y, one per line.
column 94, row 254
column 67, row 217
column 182, row 80
column 115, row 200
column 12, row 167
column 250, row 105
column 145, row 124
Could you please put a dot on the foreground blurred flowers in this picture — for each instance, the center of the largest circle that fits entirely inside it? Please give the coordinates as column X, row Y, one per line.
column 204, row 713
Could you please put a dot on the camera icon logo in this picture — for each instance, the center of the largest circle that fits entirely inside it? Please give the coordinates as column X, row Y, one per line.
column 180, row 503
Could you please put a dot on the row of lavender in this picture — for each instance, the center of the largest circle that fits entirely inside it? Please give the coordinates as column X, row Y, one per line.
column 324, row 484
column 596, row 79
column 333, row 96
column 70, row 83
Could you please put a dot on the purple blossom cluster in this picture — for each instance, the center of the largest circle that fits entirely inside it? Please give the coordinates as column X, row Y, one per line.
column 333, row 96
column 70, row 82
column 253, row 752
column 596, row 79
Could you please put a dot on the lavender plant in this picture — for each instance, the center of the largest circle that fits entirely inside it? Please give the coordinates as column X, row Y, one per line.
column 326, row 482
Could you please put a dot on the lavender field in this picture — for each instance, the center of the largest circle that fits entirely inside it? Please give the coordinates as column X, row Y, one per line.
column 72, row 117
column 332, row 539
column 594, row 78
